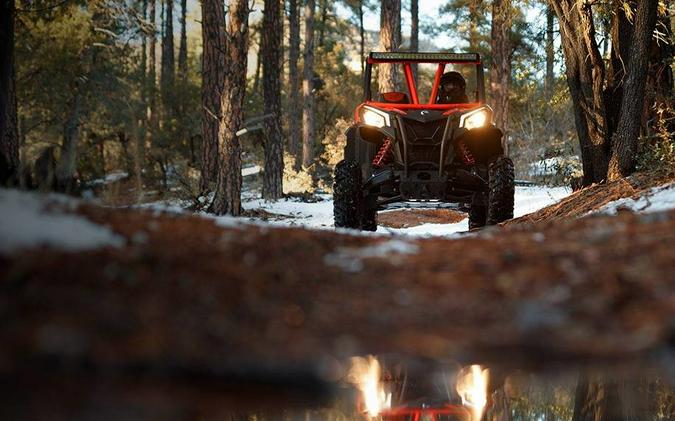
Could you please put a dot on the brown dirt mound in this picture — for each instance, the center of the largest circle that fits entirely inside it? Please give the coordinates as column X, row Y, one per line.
column 406, row 218
column 187, row 305
column 594, row 197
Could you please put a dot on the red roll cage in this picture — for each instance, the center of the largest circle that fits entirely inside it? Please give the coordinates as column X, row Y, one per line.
column 406, row 59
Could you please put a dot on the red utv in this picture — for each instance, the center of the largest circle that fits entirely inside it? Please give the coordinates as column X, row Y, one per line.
column 447, row 149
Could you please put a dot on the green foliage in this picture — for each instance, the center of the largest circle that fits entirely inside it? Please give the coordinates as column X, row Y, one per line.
column 92, row 51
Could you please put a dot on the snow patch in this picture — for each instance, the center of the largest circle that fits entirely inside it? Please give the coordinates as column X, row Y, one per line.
column 110, row 178
column 657, row 199
column 31, row 220
column 351, row 259
column 245, row 172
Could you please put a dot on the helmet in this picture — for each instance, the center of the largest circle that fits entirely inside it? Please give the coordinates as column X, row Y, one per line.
column 452, row 88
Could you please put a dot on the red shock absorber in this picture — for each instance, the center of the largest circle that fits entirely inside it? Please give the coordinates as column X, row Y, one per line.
column 382, row 155
column 465, row 154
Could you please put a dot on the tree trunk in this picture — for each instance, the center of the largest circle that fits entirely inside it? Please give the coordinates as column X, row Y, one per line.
column 213, row 35
column 272, row 51
column 624, row 145
column 308, row 87
column 621, row 34
column 390, row 30
column 153, row 116
column 182, row 49
column 362, row 35
column 294, row 118
column 414, row 32
column 585, row 72
column 9, row 135
column 139, row 152
column 550, row 56
column 66, row 168
column 500, row 71
column 168, row 61
column 227, row 199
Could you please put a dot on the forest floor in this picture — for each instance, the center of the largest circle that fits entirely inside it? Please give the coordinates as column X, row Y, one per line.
column 145, row 297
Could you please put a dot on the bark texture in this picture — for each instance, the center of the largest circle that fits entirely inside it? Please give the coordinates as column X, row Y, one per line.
column 153, row 115
column 227, row 199
column 414, row 31
column 390, row 39
column 500, row 71
column 9, row 136
column 182, row 49
column 624, row 145
column 294, row 117
column 308, row 130
column 213, row 60
column 168, row 59
column 272, row 51
column 550, row 55
column 585, row 73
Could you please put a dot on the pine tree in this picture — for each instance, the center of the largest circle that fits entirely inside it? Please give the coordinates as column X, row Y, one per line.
column 213, row 35
column 271, row 57
column 9, row 137
column 390, row 40
column 294, row 117
column 308, row 88
column 500, row 71
column 227, row 199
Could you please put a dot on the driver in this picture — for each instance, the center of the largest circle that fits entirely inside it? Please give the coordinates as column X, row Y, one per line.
column 452, row 89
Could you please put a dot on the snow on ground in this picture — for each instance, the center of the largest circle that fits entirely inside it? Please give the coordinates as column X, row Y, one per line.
column 31, row 220
column 319, row 215
column 655, row 200
column 110, row 178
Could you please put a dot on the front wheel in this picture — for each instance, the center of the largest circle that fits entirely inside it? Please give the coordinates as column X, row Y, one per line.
column 502, row 191
column 347, row 195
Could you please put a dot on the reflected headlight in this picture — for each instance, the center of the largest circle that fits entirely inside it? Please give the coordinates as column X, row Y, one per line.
column 373, row 117
column 476, row 118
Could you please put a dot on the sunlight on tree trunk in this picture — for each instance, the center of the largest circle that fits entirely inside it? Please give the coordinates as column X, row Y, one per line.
column 227, row 199
column 67, row 165
column 585, row 78
column 500, row 71
column 308, row 88
column 390, row 40
column 294, row 117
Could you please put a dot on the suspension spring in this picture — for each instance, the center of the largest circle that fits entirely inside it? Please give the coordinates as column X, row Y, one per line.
column 383, row 154
column 465, row 154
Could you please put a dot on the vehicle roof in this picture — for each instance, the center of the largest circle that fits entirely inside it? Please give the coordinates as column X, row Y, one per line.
column 422, row 57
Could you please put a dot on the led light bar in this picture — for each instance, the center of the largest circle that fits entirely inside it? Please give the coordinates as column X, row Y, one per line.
column 426, row 57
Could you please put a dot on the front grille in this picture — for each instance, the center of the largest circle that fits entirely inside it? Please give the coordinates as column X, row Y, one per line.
column 424, row 142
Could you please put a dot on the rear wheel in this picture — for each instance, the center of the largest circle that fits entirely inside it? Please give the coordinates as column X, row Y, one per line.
column 502, row 191
column 347, row 195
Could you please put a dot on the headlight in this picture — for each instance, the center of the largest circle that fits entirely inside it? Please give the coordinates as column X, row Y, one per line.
column 373, row 117
column 477, row 118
